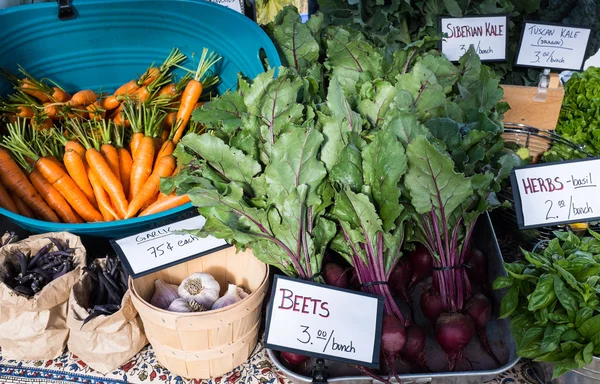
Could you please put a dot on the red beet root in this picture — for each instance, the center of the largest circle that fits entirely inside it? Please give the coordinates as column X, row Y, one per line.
column 422, row 264
column 399, row 279
column 454, row 331
column 414, row 348
column 393, row 338
column 294, row 358
column 335, row 275
column 478, row 266
column 478, row 307
column 431, row 305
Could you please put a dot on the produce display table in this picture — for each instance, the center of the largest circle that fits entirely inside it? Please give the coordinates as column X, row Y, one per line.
column 144, row 368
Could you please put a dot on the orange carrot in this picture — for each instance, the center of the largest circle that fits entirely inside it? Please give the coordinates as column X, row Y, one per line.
column 112, row 158
column 77, row 170
column 135, row 142
column 60, row 95
column 168, row 90
column 53, row 198
column 77, row 147
column 169, row 121
column 171, row 201
column 6, row 201
column 148, row 203
column 24, row 111
column 15, row 181
column 102, row 197
column 125, row 163
column 166, row 149
column 192, row 93
column 143, row 159
column 31, row 88
column 150, row 189
column 110, row 103
column 42, row 123
column 68, row 188
column 165, row 133
column 141, row 95
column 150, row 75
column 127, row 88
column 23, row 209
column 96, row 111
column 83, row 98
column 51, row 110
column 110, row 182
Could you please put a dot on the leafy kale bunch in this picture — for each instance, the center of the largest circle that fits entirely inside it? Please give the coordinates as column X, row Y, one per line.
column 394, row 23
column 553, row 302
column 578, row 121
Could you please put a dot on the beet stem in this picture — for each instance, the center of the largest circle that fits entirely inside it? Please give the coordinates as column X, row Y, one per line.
column 486, row 346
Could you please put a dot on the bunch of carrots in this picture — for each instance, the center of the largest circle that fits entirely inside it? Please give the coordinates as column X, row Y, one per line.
column 94, row 157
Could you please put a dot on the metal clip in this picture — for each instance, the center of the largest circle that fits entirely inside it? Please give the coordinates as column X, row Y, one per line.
column 65, row 10
column 320, row 372
column 543, row 85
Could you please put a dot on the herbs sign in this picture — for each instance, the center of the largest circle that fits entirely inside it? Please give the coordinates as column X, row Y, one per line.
column 165, row 246
column 321, row 321
column 487, row 34
column 559, row 193
column 552, row 46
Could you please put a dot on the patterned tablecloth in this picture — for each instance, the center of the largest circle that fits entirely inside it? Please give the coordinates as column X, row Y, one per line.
column 145, row 369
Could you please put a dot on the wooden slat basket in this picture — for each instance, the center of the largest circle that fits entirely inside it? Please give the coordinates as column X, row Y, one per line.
column 208, row 344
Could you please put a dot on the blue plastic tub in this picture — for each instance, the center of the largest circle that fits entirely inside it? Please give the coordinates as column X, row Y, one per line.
column 108, row 43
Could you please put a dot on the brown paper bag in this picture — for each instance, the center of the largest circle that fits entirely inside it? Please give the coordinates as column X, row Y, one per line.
column 106, row 342
column 35, row 328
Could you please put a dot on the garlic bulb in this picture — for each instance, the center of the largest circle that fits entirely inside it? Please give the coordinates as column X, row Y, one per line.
column 183, row 305
column 230, row 297
column 164, row 294
column 242, row 293
column 200, row 287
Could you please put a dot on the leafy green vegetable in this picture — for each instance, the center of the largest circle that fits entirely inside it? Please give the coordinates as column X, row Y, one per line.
column 562, row 294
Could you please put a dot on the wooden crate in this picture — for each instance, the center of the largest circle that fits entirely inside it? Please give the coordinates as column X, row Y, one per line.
column 538, row 114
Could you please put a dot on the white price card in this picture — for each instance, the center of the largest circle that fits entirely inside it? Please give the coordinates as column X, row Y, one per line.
column 553, row 46
column 163, row 247
column 487, row 34
column 322, row 321
column 236, row 5
column 559, row 193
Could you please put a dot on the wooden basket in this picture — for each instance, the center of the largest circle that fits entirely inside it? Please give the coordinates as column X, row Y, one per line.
column 208, row 344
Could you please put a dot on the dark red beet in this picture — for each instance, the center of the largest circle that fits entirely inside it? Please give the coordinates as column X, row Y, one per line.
column 399, row 279
column 422, row 264
column 478, row 266
column 479, row 308
column 393, row 338
column 294, row 358
column 454, row 331
column 414, row 348
column 431, row 305
column 335, row 275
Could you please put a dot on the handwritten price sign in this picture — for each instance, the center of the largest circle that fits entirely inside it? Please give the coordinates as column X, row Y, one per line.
column 546, row 45
column 486, row 34
column 559, row 193
column 163, row 247
column 321, row 321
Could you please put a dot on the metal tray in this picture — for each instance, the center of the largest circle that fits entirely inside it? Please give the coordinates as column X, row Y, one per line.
column 484, row 369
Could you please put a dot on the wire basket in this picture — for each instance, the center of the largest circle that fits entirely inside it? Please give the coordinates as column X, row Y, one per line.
column 537, row 141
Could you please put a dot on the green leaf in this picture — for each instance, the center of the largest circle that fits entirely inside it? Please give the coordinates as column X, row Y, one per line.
column 570, row 335
column 563, row 367
column 566, row 299
column 227, row 109
column 588, row 353
column 558, row 318
column 502, row 282
column 453, row 8
column 432, row 182
column 590, row 327
column 419, row 90
column 294, row 40
column 231, row 163
column 551, row 338
column 384, row 164
column 543, row 295
column 529, row 347
column 406, row 127
column 509, row 302
column 293, row 163
column 376, row 98
column 349, row 169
